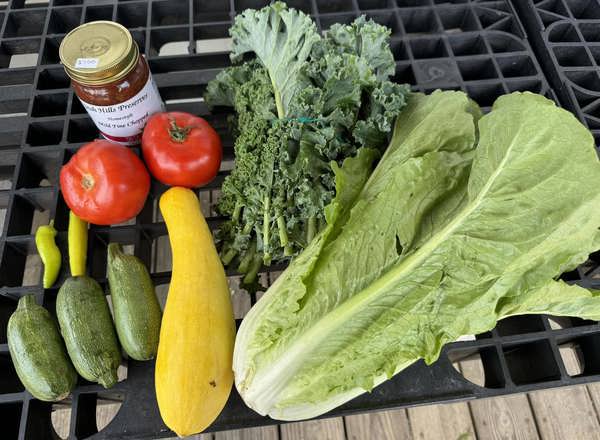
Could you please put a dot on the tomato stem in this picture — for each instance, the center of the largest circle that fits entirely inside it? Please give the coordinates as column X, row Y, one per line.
column 87, row 181
column 177, row 133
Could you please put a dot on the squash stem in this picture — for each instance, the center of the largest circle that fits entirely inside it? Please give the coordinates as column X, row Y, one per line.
column 26, row 302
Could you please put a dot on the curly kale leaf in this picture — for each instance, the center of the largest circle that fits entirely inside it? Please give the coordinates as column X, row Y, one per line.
column 282, row 40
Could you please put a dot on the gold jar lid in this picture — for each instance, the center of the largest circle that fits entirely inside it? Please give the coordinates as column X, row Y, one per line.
column 98, row 52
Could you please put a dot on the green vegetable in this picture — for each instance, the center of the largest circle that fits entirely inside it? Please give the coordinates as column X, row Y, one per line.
column 136, row 309
column 87, row 328
column 304, row 103
column 38, row 352
column 49, row 253
column 443, row 240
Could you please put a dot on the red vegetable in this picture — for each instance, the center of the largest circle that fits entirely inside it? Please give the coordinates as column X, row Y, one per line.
column 105, row 183
column 181, row 149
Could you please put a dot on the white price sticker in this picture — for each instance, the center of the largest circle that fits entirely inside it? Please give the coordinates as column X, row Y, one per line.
column 86, row 63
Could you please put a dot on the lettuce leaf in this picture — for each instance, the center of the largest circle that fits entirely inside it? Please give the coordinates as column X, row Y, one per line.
column 444, row 239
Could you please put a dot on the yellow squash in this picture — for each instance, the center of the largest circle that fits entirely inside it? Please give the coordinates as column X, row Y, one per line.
column 193, row 376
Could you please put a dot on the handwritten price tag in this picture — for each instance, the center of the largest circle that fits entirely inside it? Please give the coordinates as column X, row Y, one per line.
column 86, row 63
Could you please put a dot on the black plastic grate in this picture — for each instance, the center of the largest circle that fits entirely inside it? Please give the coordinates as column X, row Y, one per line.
column 476, row 46
column 566, row 35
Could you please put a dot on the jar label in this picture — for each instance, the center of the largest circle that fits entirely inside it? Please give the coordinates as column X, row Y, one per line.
column 123, row 123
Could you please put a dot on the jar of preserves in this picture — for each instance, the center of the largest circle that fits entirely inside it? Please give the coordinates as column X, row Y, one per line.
column 111, row 79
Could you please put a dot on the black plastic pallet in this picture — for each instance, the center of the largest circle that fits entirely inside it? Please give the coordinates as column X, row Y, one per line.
column 566, row 36
column 477, row 46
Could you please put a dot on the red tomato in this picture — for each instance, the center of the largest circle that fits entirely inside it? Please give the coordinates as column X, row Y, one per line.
column 181, row 149
column 105, row 183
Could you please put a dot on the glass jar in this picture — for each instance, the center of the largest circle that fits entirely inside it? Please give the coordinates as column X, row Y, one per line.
column 111, row 79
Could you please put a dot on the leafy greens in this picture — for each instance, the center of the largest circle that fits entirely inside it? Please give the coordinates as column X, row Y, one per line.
column 466, row 220
column 303, row 105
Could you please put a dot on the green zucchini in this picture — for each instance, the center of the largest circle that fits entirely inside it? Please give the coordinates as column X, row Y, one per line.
column 87, row 328
column 38, row 352
column 135, row 306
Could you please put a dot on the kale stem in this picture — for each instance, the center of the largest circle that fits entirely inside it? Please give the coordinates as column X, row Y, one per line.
column 311, row 230
column 278, row 103
column 236, row 212
column 245, row 262
column 287, row 250
column 228, row 256
column 283, row 237
column 253, row 270
column 266, row 226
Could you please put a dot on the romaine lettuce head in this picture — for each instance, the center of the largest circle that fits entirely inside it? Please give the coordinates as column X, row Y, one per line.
column 464, row 221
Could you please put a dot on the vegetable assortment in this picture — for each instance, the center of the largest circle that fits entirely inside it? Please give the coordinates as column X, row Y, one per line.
column 304, row 102
column 399, row 242
column 465, row 221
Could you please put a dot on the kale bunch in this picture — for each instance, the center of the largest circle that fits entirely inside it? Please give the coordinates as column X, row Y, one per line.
column 302, row 103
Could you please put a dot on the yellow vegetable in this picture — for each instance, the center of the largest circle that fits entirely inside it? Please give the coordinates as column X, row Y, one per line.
column 77, row 237
column 193, row 375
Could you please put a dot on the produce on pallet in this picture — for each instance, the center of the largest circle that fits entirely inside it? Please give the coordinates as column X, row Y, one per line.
column 38, row 353
column 465, row 221
column 392, row 273
column 104, row 183
column 305, row 102
column 49, row 253
column 87, row 328
column 193, row 376
column 136, row 310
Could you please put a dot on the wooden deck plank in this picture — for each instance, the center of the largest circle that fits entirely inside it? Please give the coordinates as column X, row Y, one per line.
column 594, row 391
column 499, row 418
column 388, row 425
column 565, row 414
column 260, row 433
column 326, row 429
column 504, row 418
column 446, row 421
